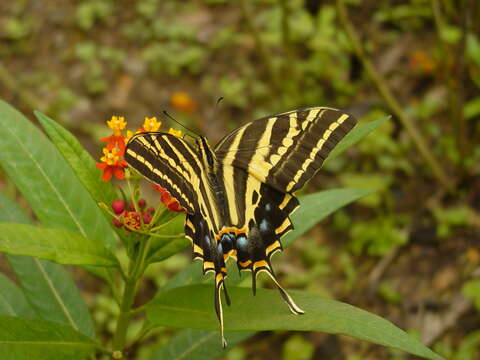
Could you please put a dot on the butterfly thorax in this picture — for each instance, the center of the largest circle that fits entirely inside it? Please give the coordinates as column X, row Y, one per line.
column 211, row 166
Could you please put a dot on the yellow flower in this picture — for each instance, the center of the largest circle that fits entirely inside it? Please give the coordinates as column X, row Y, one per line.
column 117, row 124
column 111, row 156
column 151, row 124
column 177, row 133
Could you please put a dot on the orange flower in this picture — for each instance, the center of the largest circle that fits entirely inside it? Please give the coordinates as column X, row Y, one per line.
column 170, row 202
column 421, row 60
column 111, row 164
column 183, row 101
column 117, row 124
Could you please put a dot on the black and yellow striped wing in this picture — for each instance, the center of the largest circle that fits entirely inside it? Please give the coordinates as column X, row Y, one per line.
column 285, row 150
column 168, row 161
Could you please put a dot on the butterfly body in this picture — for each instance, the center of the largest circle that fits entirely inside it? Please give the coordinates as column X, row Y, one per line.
column 238, row 195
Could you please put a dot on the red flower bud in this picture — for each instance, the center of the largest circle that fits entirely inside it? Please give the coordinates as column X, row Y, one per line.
column 142, row 203
column 147, row 219
column 118, row 206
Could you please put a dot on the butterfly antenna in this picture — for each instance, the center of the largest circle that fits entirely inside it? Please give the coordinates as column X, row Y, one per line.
column 178, row 122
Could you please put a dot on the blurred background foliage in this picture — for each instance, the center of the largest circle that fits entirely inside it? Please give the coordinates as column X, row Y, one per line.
column 409, row 252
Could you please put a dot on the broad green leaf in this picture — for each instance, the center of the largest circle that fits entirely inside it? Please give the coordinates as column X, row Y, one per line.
column 48, row 287
column 354, row 136
column 313, row 208
column 56, row 245
column 26, row 339
column 12, row 300
column 194, row 344
column 192, row 307
column 81, row 162
column 42, row 175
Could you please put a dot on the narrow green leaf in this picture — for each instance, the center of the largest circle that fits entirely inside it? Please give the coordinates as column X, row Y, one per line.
column 178, row 308
column 12, row 300
column 354, row 136
column 56, row 245
column 57, row 197
column 194, row 344
column 26, row 339
column 48, row 287
column 81, row 162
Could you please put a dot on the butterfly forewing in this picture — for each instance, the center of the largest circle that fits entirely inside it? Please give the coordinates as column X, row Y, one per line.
column 285, row 150
column 168, row 161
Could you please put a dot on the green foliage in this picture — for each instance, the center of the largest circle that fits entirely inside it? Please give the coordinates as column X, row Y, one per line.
column 377, row 237
column 25, row 339
column 471, row 289
column 90, row 12
column 297, row 348
column 16, row 29
column 449, row 218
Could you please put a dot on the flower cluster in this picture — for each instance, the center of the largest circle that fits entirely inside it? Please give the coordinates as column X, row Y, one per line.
column 112, row 162
column 128, row 216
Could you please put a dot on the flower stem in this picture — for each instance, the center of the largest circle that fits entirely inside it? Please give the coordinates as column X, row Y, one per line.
column 137, row 266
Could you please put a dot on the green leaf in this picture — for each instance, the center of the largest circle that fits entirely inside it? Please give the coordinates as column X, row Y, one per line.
column 48, row 288
column 12, row 300
column 354, row 136
column 56, row 245
column 57, row 197
column 26, row 339
column 194, row 344
column 316, row 207
column 191, row 306
column 81, row 162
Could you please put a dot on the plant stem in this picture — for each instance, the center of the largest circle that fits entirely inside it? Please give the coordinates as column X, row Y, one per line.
column 453, row 72
column 129, row 293
column 137, row 266
column 387, row 95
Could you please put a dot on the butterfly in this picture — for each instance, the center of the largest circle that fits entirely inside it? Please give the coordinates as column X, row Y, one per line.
column 238, row 195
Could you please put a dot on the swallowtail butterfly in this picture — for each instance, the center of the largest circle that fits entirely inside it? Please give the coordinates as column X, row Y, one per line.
column 238, row 196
